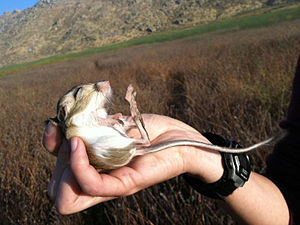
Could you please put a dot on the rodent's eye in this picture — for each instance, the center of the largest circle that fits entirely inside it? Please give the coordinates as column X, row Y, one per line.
column 76, row 92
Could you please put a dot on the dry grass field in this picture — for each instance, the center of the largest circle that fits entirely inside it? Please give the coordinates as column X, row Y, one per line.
column 234, row 83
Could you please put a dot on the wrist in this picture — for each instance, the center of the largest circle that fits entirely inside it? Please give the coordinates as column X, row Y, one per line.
column 204, row 164
column 236, row 171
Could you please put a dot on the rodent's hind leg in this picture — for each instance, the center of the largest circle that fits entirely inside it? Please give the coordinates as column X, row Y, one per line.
column 136, row 116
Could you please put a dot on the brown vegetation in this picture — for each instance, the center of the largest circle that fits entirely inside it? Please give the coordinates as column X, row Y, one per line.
column 236, row 84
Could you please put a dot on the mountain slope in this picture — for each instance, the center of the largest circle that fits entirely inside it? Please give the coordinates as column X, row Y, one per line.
column 61, row 26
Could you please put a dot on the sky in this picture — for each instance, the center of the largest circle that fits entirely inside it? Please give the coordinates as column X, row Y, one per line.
column 11, row 5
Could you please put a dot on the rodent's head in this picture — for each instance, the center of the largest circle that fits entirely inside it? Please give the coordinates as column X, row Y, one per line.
column 87, row 97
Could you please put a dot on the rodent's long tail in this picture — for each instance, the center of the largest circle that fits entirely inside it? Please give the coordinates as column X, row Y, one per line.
column 162, row 146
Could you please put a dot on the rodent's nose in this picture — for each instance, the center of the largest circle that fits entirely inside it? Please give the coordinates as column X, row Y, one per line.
column 102, row 85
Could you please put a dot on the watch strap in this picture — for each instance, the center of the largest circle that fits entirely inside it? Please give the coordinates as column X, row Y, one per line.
column 236, row 171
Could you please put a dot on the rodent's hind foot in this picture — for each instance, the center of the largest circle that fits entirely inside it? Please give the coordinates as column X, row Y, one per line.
column 135, row 114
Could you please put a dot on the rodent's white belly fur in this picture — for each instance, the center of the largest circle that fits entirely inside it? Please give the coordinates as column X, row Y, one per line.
column 103, row 139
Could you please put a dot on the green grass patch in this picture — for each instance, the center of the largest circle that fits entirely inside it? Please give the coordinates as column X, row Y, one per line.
column 265, row 18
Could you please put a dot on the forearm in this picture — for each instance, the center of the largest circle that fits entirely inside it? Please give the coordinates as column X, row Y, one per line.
column 258, row 202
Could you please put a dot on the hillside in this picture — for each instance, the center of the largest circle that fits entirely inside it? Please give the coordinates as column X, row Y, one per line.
column 54, row 27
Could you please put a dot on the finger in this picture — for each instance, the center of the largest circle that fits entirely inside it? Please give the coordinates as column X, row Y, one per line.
column 62, row 162
column 70, row 198
column 141, row 173
column 52, row 138
column 95, row 184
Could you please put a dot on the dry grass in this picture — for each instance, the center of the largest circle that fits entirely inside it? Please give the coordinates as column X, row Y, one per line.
column 234, row 83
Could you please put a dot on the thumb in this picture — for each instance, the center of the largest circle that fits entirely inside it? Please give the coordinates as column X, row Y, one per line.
column 117, row 183
column 78, row 157
column 85, row 174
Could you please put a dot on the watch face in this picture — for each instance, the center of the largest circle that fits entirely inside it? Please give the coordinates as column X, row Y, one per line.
column 244, row 174
column 241, row 166
column 238, row 167
column 245, row 168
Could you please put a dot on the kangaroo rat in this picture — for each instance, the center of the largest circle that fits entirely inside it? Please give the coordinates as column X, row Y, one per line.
column 81, row 112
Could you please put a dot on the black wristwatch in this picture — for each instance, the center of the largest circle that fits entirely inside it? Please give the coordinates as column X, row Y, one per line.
column 237, row 169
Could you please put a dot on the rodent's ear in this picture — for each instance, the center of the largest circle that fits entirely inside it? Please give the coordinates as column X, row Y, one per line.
column 61, row 115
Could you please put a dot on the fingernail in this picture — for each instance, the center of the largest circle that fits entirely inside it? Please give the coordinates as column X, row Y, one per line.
column 74, row 143
column 50, row 129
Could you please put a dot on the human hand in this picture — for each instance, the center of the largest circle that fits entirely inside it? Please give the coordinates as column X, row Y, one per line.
column 75, row 185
